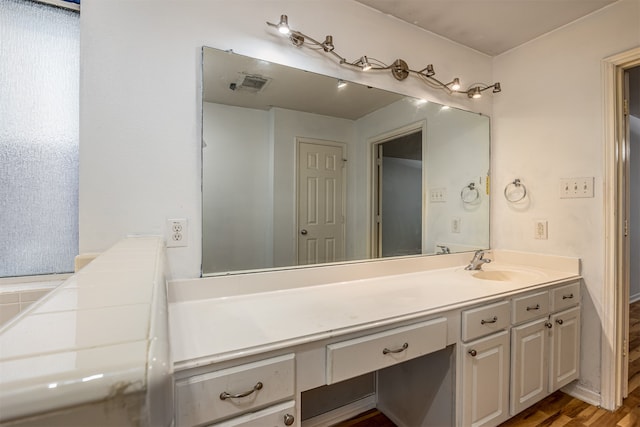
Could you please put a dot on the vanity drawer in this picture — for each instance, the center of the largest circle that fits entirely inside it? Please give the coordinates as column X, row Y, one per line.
column 565, row 296
column 205, row 398
column 278, row 415
column 485, row 320
column 354, row 357
column 531, row 306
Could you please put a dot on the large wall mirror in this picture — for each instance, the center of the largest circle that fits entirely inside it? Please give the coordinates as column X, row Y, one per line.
column 300, row 168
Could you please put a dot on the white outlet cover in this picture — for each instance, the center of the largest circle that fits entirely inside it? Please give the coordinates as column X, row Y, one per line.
column 540, row 230
column 177, row 232
column 455, row 225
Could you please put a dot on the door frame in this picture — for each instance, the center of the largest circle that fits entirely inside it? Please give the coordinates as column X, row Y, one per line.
column 373, row 143
column 296, row 226
column 615, row 295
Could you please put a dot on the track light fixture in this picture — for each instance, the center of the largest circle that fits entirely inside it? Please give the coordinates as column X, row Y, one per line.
column 399, row 69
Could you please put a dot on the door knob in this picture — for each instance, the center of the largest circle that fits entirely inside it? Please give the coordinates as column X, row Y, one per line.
column 303, row 232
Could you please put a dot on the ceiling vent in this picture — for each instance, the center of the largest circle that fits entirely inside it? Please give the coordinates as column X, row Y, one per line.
column 250, row 83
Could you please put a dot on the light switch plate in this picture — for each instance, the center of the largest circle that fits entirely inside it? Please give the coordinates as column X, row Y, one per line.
column 572, row 188
column 437, row 195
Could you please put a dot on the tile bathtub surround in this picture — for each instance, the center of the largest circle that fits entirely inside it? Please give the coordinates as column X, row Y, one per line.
column 15, row 298
column 100, row 335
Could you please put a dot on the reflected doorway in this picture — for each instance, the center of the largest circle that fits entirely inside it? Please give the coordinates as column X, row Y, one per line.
column 398, row 193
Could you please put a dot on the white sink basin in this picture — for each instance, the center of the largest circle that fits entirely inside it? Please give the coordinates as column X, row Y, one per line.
column 508, row 275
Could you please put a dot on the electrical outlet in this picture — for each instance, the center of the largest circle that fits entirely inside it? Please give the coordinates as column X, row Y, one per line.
column 177, row 233
column 540, row 229
column 571, row 188
column 455, row 225
column 438, row 195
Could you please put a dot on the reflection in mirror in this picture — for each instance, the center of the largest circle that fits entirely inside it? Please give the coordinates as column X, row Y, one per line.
column 297, row 170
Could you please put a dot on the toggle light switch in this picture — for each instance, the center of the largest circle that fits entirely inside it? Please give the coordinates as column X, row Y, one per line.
column 571, row 188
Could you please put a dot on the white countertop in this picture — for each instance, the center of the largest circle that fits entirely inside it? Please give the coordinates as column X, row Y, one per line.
column 246, row 324
column 90, row 339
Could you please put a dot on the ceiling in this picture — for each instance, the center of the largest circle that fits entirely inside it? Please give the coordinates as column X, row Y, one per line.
column 286, row 87
column 489, row 26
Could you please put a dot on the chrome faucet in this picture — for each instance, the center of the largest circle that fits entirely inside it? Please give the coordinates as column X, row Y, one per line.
column 477, row 261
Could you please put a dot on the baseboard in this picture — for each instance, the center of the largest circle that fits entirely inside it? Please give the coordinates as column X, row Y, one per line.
column 342, row 413
column 634, row 298
column 580, row 392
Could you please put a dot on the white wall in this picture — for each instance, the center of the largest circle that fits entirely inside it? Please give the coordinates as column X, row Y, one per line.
column 140, row 96
column 548, row 124
column 288, row 126
column 237, row 206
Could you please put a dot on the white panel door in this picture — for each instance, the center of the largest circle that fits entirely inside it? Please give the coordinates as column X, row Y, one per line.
column 565, row 348
column 529, row 364
column 320, row 203
column 485, row 381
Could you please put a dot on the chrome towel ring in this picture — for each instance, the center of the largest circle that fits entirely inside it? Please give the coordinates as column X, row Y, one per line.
column 515, row 191
column 469, row 193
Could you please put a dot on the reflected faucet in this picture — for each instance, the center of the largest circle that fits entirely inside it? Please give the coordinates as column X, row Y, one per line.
column 477, row 261
column 443, row 250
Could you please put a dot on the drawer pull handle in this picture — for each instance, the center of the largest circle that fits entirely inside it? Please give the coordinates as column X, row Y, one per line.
column 473, row 353
column 224, row 395
column 559, row 321
column 492, row 320
column 288, row 419
column 397, row 350
column 570, row 296
column 548, row 325
column 535, row 307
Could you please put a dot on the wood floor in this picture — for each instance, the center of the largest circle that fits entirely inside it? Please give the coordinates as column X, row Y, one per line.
column 559, row 409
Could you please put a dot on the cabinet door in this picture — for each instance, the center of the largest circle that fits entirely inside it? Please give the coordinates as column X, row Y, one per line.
column 565, row 348
column 485, row 381
column 529, row 364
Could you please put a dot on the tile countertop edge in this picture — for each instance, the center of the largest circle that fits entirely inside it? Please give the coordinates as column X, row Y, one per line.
column 100, row 378
column 189, row 363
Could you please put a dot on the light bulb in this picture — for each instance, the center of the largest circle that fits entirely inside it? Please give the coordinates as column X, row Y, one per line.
column 365, row 64
column 456, row 84
column 283, row 25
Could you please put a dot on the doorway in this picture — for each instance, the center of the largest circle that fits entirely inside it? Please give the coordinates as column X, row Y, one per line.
column 615, row 360
column 398, row 201
column 320, row 201
column 632, row 138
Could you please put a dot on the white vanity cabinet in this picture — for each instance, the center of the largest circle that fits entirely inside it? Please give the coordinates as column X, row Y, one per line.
column 514, row 353
column 484, row 365
column 241, row 392
column 441, row 347
column 545, row 352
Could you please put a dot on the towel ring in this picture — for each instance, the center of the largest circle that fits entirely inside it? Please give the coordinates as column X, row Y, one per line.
column 469, row 193
column 516, row 184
